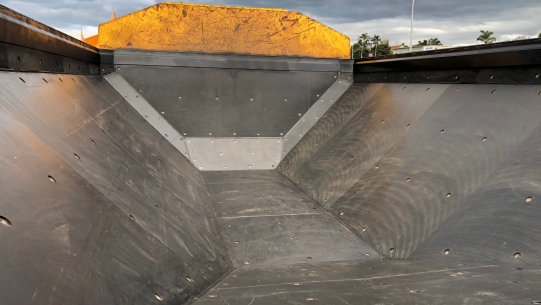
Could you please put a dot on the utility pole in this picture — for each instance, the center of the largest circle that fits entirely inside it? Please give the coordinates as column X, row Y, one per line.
column 411, row 32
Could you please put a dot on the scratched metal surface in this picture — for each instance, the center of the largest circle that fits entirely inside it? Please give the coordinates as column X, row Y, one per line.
column 501, row 218
column 268, row 221
column 412, row 156
column 211, row 102
column 109, row 147
column 378, row 282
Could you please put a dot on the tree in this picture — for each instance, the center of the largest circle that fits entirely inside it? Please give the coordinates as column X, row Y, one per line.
column 434, row 42
column 486, row 37
column 363, row 39
column 375, row 40
column 430, row 42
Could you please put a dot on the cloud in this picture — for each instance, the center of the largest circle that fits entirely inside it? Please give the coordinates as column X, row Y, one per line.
column 454, row 22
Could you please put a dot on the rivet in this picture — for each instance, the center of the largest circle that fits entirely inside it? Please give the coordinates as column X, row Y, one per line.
column 391, row 250
column 427, row 89
column 442, row 131
column 529, row 199
column 408, row 180
column 247, row 263
column 285, row 100
column 367, row 254
column 341, row 213
column 292, row 238
column 180, row 97
column 237, row 242
column 249, row 166
column 225, row 167
column 345, row 235
column 251, row 99
column 448, row 195
column 52, row 179
column 484, row 139
column 517, row 255
column 446, row 252
column 210, row 133
column 408, row 125
column 234, row 133
column 308, row 258
column 300, row 114
column 536, row 75
column 363, row 229
column 493, row 91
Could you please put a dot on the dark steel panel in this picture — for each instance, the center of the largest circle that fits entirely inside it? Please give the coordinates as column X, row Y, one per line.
column 368, row 166
column 356, row 148
column 228, row 102
column 24, row 59
column 502, row 75
column 268, row 221
column 68, row 243
column 123, row 157
column 501, row 218
column 378, row 282
column 170, row 59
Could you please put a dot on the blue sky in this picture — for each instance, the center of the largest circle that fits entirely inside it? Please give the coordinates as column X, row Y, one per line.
column 454, row 22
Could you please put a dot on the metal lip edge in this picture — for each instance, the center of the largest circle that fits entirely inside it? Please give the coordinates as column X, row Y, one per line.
column 22, row 20
column 225, row 61
column 503, row 47
column 508, row 51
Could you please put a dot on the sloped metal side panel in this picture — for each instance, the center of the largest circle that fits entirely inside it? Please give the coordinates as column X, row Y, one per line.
column 500, row 220
column 412, row 156
column 127, row 215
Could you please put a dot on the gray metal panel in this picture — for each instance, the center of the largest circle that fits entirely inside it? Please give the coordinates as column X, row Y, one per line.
column 316, row 112
column 70, row 244
column 155, row 58
column 103, row 138
column 387, row 173
column 271, row 222
column 217, row 154
column 138, row 102
column 501, row 218
column 378, row 282
column 211, row 102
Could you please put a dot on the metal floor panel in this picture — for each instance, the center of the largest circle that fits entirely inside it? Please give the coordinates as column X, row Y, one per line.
column 378, row 282
column 269, row 221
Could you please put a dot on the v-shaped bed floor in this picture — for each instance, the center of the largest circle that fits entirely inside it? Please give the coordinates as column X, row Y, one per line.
column 269, row 221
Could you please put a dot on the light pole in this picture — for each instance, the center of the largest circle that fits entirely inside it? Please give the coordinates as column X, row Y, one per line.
column 411, row 32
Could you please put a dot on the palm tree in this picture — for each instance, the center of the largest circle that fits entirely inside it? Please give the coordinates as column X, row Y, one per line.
column 434, row 42
column 364, row 38
column 486, row 37
column 375, row 40
column 422, row 43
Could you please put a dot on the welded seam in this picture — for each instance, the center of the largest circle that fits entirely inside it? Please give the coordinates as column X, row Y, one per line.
column 364, row 279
